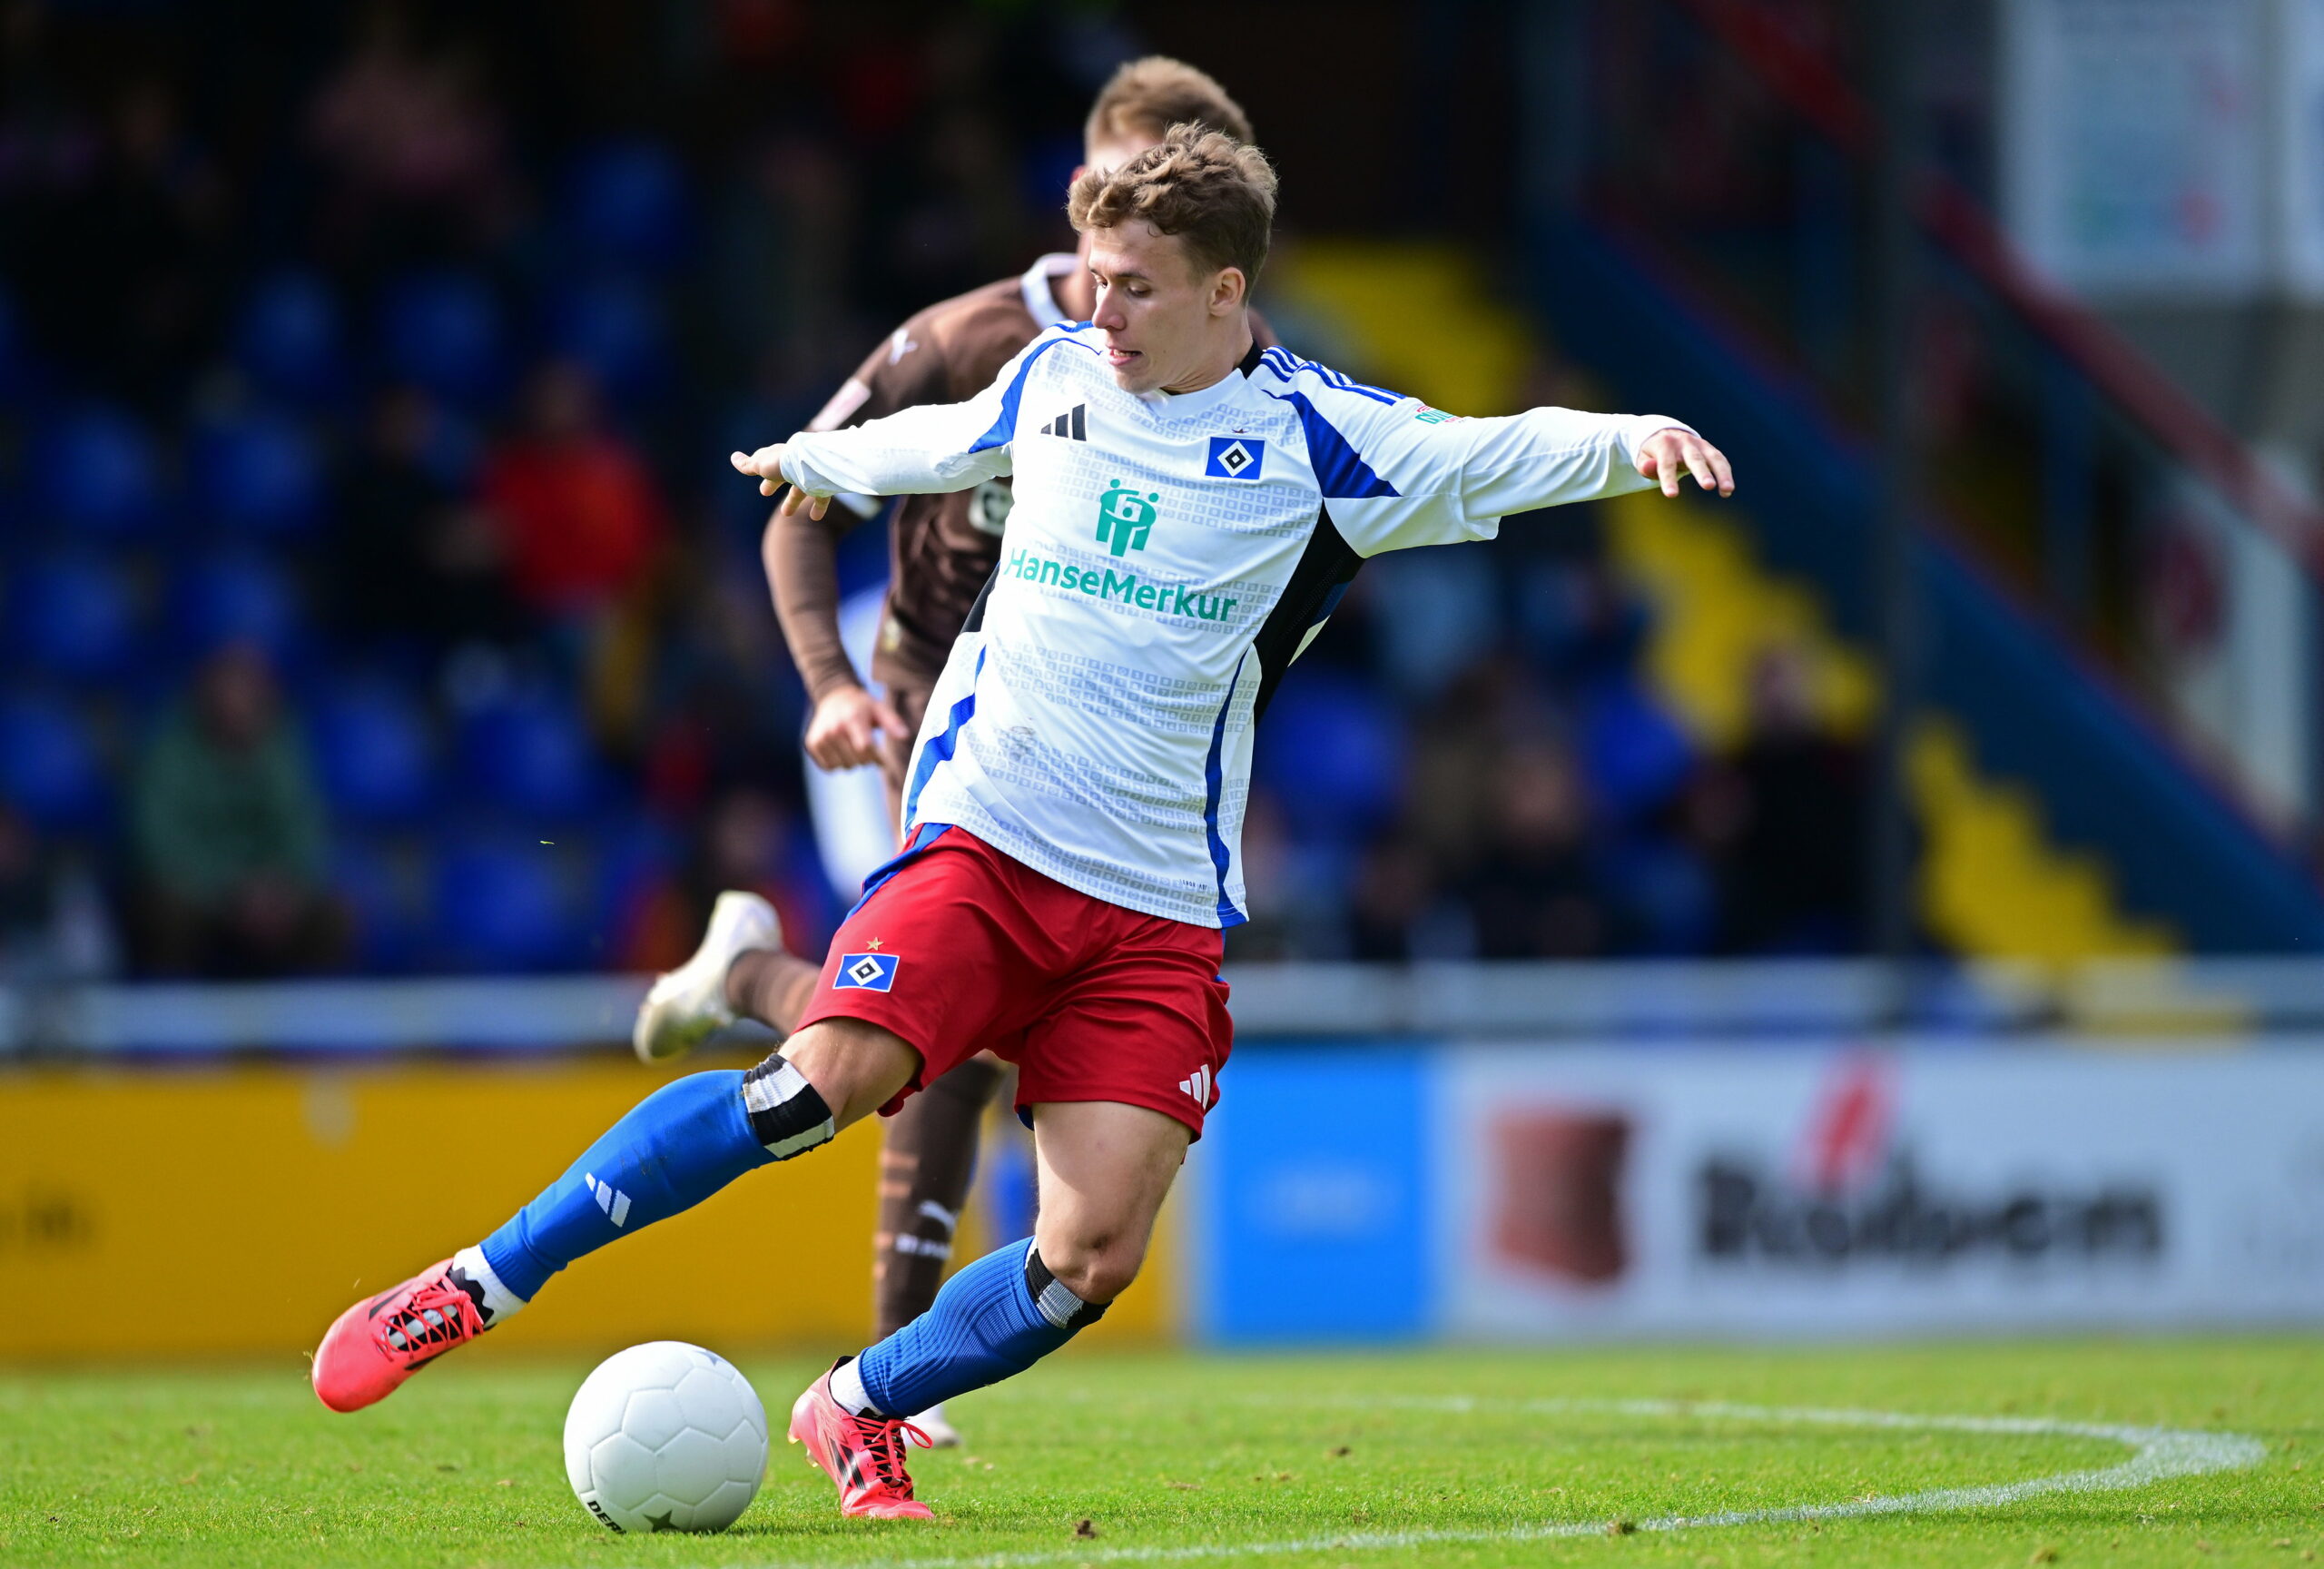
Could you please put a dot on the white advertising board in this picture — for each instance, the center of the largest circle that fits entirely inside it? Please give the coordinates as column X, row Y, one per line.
column 2135, row 136
column 1931, row 1187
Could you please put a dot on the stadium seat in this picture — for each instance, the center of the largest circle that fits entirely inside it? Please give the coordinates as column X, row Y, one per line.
column 72, row 615
column 288, row 340
column 502, row 906
column 616, row 329
column 531, row 758
column 258, row 474
column 1667, row 895
column 49, row 766
column 1332, row 748
column 1633, row 754
column 1448, row 613
column 94, row 469
column 234, row 596
column 442, row 331
column 625, row 202
column 370, row 876
column 371, row 747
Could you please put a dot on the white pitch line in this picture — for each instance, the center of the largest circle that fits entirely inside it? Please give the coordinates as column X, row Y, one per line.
column 2158, row 1454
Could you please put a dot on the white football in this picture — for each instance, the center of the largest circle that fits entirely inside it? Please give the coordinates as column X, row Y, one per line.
column 666, row 1437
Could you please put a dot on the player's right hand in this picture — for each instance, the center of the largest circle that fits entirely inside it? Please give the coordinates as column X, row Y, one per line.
column 767, row 466
column 850, row 728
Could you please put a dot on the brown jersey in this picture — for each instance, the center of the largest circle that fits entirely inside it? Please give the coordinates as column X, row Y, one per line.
column 941, row 549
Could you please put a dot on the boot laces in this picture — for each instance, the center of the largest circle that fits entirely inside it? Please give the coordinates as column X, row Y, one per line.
column 884, row 1441
column 440, row 1314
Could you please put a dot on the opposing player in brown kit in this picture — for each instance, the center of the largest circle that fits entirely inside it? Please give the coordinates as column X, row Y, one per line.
column 943, row 548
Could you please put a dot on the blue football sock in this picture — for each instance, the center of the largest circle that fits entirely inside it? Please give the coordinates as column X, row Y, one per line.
column 995, row 1318
column 674, row 1149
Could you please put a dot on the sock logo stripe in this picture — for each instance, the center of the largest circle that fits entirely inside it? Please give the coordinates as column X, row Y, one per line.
column 610, row 1198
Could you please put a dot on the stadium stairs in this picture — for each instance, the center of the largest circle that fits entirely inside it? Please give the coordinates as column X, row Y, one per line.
column 2024, row 857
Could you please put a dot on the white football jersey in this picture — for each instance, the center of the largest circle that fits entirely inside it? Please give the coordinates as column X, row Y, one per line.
column 1168, row 557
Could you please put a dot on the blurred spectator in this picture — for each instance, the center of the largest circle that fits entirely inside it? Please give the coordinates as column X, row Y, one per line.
column 230, row 835
column 416, row 160
column 578, row 512
column 411, row 560
column 1534, row 894
column 53, row 920
column 126, row 266
column 748, row 840
column 1783, row 821
column 1392, row 893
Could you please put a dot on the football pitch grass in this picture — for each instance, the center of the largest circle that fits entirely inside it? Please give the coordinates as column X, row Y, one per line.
column 2214, row 1453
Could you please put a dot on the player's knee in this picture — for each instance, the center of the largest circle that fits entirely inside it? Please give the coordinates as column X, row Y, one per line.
column 1096, row 1266
column 1059, row 1300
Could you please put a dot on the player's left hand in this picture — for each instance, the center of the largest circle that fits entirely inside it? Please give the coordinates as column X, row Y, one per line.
column 1670, row 455
column 767, row 466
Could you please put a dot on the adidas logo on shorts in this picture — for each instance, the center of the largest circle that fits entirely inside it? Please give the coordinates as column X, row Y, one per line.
column 1200, row 1085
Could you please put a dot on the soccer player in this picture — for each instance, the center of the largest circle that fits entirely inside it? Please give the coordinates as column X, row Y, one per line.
column 1188, row 511
column 943, row 548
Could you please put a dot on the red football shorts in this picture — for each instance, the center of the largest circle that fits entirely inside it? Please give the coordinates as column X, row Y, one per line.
column 959, row 949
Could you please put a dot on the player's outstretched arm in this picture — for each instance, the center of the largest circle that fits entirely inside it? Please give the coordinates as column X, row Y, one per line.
column 930, row 449
column 1437, row 479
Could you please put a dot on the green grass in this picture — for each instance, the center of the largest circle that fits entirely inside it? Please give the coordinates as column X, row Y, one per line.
column 1342, row 1453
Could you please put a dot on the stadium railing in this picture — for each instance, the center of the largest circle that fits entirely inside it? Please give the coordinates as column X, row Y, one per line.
column 1610, row 1001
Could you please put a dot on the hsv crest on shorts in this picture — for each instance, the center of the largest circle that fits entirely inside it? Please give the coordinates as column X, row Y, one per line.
column 866, row 972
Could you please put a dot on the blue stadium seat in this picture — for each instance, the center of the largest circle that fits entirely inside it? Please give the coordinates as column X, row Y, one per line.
column 614, row 328
column 369, row 877
column 531, row 758
column 288, row 340
column 371, row 746
column 1334, row 750
column 257, row 474
column 1633, row 754
column 93, row 469
column 1666, row 893
column 232, row 597
column 49, row 766
column 502, row 906
column 625, row 202
column 73, row 614
column 442, row 331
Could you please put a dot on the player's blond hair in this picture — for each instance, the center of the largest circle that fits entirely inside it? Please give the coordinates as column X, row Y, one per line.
column 1214, row 193
column 1146, row 97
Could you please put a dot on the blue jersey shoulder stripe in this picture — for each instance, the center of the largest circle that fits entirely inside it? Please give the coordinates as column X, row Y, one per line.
column 1004, row 429
column 1341, row 473
column 1286, row 365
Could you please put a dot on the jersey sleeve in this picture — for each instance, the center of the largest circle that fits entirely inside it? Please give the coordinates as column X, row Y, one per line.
column 1397, row 474
column 928, row 448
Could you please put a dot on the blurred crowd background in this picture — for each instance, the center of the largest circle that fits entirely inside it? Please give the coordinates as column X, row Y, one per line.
column 376, row 599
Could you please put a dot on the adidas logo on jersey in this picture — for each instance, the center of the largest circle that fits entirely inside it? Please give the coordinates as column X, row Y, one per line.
column 1199, row 1085
column 1073, row 424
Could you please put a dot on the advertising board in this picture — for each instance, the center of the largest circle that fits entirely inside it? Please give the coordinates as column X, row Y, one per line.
column 1824, row 1189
